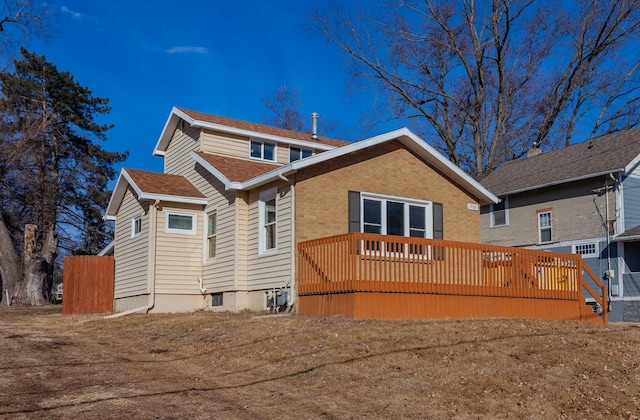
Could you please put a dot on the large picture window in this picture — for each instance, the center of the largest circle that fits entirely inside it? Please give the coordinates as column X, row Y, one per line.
column 396, row 216
column 268, row 221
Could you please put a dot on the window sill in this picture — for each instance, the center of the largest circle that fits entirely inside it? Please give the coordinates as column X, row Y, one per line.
column 268, row 253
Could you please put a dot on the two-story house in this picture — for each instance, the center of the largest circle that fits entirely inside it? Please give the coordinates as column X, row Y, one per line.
column 219, row 227
column 582, row 199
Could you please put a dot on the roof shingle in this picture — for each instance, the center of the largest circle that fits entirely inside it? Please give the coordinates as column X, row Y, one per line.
column 260, row 128
column 163, row 184
column 599, row 155
column 237, row 170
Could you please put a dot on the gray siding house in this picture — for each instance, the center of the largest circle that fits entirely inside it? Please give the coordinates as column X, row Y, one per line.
column 583, row 199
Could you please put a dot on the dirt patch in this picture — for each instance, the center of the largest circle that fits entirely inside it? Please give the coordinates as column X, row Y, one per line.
column 206, row 365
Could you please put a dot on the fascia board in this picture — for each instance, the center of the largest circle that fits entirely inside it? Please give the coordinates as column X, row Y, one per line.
column 445, row 165
column 116, row 197
column 173, row 198
column 562, row 181
column 631, row 165
column 228, row 185
column 407, row 137
column 169, row 126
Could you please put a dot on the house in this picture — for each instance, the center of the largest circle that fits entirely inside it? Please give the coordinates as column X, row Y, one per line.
column 219, row 227
column 583, row 199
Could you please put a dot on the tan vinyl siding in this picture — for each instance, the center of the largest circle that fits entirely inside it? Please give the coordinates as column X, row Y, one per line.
column 264, row 272
column 131, row 254
column 177, row 159
column 225, row 144
column 238, row 146
column 178, row 256
column 578, row 213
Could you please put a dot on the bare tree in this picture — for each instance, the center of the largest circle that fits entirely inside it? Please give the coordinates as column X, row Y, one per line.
column 486, row 80
column 285, row 104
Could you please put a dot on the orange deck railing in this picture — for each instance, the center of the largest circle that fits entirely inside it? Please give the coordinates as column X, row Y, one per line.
column 367, row 263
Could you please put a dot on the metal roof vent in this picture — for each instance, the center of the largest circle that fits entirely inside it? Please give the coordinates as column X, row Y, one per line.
column 314, row 126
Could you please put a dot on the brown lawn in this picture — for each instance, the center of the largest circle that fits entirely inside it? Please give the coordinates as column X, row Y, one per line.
column 212, row 365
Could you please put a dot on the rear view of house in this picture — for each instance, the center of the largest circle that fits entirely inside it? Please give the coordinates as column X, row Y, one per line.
column 219, row 228
column 582, row 199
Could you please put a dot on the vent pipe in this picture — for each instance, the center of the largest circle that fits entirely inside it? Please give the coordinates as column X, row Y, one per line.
column 314, row 126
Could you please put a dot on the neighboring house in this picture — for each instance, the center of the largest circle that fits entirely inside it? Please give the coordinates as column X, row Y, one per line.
column 583, row 199
column 220, row 227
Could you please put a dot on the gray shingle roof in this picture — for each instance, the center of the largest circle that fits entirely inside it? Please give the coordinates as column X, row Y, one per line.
column 600, row 155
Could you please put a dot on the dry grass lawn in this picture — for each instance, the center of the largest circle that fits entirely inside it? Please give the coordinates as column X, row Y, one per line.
column 235, row 366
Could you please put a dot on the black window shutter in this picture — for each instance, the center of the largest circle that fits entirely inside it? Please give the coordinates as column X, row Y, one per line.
column 354, row 211
column 438, row 225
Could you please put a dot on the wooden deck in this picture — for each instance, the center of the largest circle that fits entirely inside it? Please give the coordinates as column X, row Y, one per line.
column 392, row 277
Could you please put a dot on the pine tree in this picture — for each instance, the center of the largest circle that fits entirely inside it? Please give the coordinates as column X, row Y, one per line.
column 54, row 174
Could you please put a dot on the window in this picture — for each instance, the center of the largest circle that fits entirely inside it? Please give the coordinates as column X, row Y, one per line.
column 212, row 234
column 183, row 223
column 545, row 226
column 396, row 216
column 268, row 221
column 586, row 249
column 500, row 213
column 136, row 226
column 264, row 151
column 296, row 153
column 217, row 299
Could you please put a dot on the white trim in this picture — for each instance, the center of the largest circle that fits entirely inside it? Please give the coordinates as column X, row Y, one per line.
column 120, row 189
column 134, row 220
column 194, row 223
column 262, row 158
column 427, row 205
column 550, row 227
column 594, row 254
column 205, row 235
column 404, row 135
column 265, row 196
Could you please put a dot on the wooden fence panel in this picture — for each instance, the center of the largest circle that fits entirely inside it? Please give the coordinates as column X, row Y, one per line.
column 88, row 284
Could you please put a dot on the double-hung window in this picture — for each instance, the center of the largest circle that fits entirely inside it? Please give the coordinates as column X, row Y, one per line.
column 545, row 226
column 268, row 219
column 264, row 151
column 212, row 234
column 296, row 153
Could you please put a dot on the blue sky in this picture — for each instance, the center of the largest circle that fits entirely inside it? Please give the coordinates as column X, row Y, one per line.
column 211, row 56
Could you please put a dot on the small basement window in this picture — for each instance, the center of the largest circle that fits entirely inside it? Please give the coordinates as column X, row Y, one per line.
column 216, row 299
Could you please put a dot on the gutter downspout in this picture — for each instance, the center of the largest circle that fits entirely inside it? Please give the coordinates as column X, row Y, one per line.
column 151, row 267
column 292, row 298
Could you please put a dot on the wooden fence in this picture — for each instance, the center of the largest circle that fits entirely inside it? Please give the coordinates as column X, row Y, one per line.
column 88, row 284
column 374, row 276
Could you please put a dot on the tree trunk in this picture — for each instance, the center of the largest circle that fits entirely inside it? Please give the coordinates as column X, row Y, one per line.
column 38, row 266
column 10, row 268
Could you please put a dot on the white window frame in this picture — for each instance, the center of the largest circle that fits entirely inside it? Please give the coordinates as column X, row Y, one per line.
column 300, row 150
column 267, row 195
column 262, row 143
column 194, row 223
column 136, row 226
column 492, row 213
column 539, row 214
column 207, row 214
column 383, row 199
column 594, row 254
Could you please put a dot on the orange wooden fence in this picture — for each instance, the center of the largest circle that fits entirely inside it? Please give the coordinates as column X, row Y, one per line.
column 374, row 276
column 88, row 284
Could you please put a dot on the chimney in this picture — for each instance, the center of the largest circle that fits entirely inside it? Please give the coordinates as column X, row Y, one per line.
column 314, row 126
column 535, row 150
